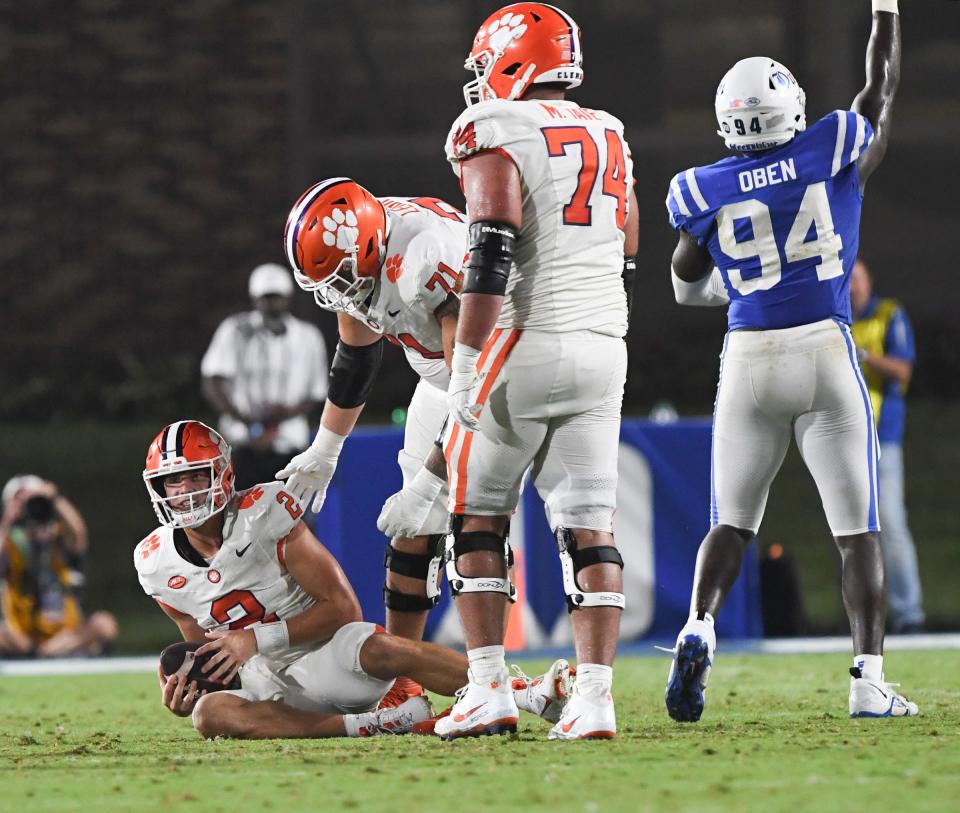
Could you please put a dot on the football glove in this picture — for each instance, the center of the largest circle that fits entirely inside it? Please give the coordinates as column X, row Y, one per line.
column 416, row 509
column 464, row 383
column 311, row 471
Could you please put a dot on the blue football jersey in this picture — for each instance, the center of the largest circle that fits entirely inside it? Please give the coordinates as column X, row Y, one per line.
column 782, row 225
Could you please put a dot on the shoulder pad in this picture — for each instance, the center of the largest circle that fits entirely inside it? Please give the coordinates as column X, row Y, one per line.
column 834, row 142
column 266, row 512
column 146, row 555
column 485, row 126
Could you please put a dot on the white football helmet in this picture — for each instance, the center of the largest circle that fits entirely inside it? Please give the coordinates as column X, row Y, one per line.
column 759, row 105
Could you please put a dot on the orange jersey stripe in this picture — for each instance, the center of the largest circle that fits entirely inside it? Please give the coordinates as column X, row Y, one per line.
column 499, row 361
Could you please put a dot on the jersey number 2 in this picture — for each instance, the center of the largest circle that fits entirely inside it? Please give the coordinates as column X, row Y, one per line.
column 578, row 211
column 224, row 610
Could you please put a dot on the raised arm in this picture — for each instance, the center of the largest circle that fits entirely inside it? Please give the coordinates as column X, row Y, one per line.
column 875, row 101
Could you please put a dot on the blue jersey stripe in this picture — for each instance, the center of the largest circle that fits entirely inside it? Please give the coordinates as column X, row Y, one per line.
column 873, row 520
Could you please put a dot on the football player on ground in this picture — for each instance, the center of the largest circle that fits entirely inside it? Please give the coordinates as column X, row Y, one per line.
column 780, row 221
column 539, row 363
column 243, row 573
column 390, row 268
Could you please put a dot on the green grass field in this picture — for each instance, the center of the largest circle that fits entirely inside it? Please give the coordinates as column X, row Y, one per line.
column 775, row 737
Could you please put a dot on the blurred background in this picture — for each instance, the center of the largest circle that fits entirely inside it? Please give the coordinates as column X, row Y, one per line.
column 151, row 153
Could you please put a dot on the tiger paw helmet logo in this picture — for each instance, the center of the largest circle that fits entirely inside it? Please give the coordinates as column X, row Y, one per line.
column 394, row 267
column 340, row 229
column 506, row 29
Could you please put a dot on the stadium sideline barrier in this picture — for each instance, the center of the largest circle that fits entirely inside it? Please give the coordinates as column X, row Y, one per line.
column 663, row 513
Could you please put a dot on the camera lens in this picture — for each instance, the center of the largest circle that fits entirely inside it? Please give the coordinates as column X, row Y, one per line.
column 38, row 509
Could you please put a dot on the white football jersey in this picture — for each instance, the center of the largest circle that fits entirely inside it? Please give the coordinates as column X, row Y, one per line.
column 576, row 173
column 246, row 582
column 426, row 243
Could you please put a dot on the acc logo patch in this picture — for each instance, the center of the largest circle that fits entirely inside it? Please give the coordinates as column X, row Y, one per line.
column 213, row 576
column 176, row 582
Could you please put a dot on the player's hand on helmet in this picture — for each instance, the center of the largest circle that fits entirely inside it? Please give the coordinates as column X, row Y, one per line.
column 228, row 652
column 177, row 695
column 311, row 471
column 463, row 388
column 415, row 508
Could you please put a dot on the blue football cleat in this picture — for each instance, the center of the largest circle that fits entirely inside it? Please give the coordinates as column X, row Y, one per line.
column 692, row 659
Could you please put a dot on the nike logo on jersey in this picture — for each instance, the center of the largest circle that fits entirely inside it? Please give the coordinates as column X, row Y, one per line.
column 392, row 314
column 241, row 551
column 459, row 718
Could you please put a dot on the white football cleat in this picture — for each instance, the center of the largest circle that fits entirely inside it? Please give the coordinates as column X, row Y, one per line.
column 687, row 681
column 481, row 710
column 586, row 718
column 399, row 719
column 869, row 698
column 546, row 695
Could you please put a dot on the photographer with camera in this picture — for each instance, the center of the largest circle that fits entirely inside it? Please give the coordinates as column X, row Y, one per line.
column 43, row 544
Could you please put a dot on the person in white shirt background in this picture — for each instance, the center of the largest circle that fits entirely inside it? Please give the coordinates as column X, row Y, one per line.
column 265, row 371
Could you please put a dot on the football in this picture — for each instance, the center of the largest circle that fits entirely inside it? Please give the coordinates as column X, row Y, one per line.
column 181, row 657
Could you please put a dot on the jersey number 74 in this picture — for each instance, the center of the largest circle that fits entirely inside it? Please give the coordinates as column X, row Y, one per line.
column 578, row 211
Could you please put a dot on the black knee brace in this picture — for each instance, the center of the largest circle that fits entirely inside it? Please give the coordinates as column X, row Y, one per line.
column 574, row 559
column 423, row 566
column 458, row 543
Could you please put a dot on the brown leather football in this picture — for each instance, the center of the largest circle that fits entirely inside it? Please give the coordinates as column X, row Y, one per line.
column 181, row 656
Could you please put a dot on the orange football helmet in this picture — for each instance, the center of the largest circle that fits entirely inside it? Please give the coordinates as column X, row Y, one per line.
column 188, row 446
column 522, row 45
column 336, row 241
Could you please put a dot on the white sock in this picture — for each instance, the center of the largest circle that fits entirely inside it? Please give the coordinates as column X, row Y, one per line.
column 487, row 663
column 700, row 626
column 354, row 723
column 870, row 666
column 594, row 679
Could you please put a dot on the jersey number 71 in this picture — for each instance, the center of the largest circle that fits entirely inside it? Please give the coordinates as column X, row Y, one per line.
column 578, row 212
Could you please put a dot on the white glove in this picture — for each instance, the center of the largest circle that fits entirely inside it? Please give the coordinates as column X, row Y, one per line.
column 462, row 390
column 310, row 471
column 414, row 509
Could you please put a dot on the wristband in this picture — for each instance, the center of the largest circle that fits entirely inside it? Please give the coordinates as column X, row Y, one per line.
column 272, row 637
column 889, row 6
column 464, row 358
column 328, row 443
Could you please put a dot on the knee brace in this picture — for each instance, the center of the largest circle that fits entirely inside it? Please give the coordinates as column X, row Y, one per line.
column 458, row 543
column 574, row 559
column 424, row 566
